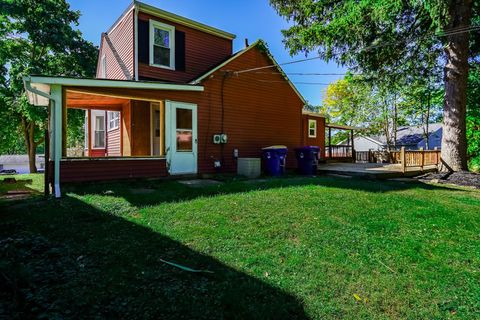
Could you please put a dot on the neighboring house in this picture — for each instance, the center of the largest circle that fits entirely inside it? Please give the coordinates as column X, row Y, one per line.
column 410, row 137
column 20, row 163
column 171, row 98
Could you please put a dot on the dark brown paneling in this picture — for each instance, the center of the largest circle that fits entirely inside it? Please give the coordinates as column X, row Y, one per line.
column 141, row 128
column 110, row 169
column 259, row 110
column 320, row 139
column 127, row 129
column 203, row 51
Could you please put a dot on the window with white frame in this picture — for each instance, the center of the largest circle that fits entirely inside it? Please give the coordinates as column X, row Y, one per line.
column 312, row 128
column 103, row 67
column 162, row 45
column 99, row 137
column 86, row 129
column 113, row 120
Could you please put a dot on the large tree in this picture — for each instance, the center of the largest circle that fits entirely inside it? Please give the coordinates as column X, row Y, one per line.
column 473, row 118
column 393, row 38
column 37, row 37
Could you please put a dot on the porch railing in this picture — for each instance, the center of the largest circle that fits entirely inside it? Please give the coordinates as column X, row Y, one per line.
column 419, row 158
column 339, row 152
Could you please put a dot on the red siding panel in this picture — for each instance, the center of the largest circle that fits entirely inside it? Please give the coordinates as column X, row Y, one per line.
column 113, row 143
column 204, row 51
column 111, row 169
column 320, row 139
column 122, row 40
column 259, row 110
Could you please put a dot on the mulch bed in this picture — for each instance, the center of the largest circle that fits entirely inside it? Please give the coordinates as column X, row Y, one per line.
column 461, row 178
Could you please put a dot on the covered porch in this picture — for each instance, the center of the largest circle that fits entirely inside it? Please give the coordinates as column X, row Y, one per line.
column 129, row 127
column 343, row 151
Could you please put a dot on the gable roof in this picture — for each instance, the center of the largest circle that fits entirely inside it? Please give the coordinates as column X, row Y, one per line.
column 143, row 7
column 408, row 135
column 240, row 53
column 154, row 11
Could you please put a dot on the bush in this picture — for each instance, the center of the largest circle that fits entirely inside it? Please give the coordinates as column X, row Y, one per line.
column 474, row 164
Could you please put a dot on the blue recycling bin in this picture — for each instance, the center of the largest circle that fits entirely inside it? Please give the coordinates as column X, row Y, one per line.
column 274, row 158
column 307, row 158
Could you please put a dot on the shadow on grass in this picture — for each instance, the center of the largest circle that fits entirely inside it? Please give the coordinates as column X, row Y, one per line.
column 142, row 193
column 18, row 190
column 66, row 259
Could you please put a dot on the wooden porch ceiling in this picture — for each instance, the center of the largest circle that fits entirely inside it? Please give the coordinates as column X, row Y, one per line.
column 81, row 100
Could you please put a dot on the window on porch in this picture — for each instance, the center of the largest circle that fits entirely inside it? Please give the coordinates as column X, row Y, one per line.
column 105, row 126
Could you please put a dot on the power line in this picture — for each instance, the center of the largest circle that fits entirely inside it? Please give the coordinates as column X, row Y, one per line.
column 449, row 32
column 294, row 82
column 306, row 73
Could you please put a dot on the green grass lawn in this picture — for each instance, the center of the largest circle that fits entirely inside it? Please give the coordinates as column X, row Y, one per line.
column 321, row 248
column 33, row 183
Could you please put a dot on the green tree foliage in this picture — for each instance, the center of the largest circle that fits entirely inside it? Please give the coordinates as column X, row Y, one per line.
column 394, row 41
column 379, row 107
column 37, row 37
column 473, row 118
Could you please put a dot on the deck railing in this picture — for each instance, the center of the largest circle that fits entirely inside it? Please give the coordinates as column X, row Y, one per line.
column 406, row 158
column 338, row 152
column 419, row 158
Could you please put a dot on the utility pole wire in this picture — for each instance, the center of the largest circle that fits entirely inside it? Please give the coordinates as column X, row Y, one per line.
column 449, row 32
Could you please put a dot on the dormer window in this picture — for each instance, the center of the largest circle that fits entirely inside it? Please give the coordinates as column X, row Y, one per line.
column 162, row 45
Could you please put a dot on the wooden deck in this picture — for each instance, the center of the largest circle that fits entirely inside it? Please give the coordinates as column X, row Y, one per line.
column 372, row 170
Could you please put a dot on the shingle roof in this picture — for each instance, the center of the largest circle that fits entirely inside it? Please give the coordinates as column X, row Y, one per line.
column 409, row 135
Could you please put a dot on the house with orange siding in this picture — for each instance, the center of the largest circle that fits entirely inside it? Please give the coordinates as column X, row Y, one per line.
column 170, row 98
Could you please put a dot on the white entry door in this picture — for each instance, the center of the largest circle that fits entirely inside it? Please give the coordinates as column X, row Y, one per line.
column 181, row 137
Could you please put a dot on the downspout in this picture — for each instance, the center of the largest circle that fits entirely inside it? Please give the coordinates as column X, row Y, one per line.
column 135, row 36
column 54, row 150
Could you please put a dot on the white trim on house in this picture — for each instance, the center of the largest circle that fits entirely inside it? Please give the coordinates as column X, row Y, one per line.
column 96, row 129
column 313, row 114
column 111, row 119
column 237, row 55
column 182, row 20
column 103, row 66
column 314, row 128
column 120, row 19
column 135, row 36
column 171, row 39
column 43, row 83
column 180, row 162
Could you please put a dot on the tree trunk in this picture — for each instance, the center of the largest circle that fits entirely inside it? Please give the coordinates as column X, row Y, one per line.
column 427, row 120
column 454, row 141
column 29, row 135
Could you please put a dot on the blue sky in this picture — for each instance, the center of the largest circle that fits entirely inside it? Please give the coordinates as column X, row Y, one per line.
column 252, row 19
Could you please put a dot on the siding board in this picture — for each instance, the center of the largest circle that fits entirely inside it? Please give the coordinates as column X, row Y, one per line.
column 257, row 113
column 123, row 42
column 203, row 51
column 110, row 169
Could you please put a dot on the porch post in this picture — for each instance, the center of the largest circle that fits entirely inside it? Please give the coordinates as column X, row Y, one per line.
column 56, row 93
column 89, row 133
column 354, row 156
column 329, row 142
column 162, row 128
